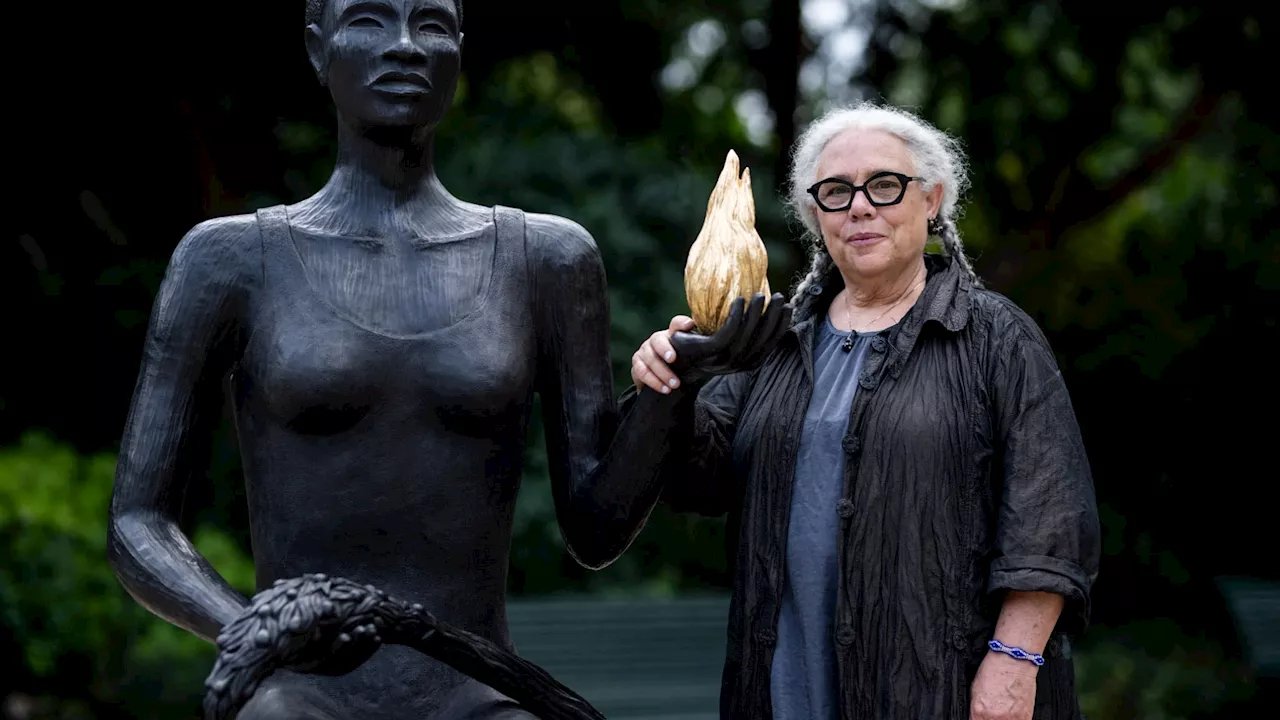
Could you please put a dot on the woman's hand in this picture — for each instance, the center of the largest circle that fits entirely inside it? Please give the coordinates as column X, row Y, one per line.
column 1004, row 689
column 674, row 356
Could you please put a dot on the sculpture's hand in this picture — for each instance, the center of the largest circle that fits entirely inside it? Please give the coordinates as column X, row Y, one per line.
column 331, row 626
column 674, row 356
column 310, row 624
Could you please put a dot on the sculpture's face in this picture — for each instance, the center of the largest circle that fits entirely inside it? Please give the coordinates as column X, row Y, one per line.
column 388, row 62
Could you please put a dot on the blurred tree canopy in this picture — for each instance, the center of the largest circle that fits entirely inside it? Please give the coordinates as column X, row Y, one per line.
column 1124, row 194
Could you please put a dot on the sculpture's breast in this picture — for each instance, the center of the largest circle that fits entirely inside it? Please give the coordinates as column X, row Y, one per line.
column 322, row 361
column 381, row 456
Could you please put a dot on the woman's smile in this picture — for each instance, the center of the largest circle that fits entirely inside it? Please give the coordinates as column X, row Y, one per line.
column 864, row 239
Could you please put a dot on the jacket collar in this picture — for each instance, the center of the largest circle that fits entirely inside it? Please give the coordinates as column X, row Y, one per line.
column 947, row 300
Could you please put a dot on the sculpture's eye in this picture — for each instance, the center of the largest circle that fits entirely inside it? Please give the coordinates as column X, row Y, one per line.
column 366, row 22
column 432, row 28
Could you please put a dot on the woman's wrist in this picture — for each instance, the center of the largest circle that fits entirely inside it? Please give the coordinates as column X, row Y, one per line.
column 1013, row 658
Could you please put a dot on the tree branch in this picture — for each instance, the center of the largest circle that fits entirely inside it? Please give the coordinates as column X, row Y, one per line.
column 1088, row 204
column 783, row 57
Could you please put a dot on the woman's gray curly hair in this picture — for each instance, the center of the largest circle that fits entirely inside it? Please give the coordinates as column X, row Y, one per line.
column 938, row 158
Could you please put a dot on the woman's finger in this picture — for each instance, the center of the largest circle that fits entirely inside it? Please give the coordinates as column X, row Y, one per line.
column 662, row 347
column 681, row 323
column 649, row 355
column 638, row 369
column 643, row 376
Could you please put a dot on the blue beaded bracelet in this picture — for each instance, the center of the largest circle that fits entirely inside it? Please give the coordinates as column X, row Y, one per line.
column 1014, row 652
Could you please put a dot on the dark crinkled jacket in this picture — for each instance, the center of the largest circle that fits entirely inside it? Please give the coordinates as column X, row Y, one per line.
column 966, row 477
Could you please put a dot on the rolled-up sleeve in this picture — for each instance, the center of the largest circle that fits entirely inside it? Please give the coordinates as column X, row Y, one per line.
column 1047, row 534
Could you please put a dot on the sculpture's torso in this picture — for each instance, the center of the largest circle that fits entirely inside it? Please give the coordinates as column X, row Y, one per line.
column 381, row 407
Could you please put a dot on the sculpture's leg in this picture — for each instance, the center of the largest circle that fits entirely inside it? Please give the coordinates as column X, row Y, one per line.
column 475, row 701
column 503, row 711
column 280, row 701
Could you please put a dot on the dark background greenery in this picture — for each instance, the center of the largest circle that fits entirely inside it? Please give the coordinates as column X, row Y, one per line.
column 1124, row 194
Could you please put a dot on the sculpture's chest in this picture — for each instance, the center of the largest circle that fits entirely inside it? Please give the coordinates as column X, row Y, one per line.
column 398, row 285
column 325, row 353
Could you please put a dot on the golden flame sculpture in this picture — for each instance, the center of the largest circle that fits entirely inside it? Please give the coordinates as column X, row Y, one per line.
column 728, row 259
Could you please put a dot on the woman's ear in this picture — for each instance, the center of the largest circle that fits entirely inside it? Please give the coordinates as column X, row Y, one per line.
column 935, row 199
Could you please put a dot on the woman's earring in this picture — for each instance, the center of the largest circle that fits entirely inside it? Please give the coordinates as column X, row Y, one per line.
column 935, row 226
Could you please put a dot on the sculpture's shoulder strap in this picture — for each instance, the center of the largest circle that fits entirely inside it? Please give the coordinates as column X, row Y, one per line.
column 510, row 224
column 511, row 246
column 273, row 223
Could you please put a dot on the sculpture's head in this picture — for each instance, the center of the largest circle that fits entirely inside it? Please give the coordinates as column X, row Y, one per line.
column 387, row 62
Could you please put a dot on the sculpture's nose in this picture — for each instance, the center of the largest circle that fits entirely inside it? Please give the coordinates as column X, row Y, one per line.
column 405, row 49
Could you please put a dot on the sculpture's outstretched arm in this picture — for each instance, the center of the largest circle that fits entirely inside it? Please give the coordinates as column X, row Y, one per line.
column 607, row 470
column 605, row 477
column 192, row 343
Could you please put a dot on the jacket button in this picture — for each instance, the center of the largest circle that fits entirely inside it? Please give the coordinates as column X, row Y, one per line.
column 867, row 380
column 844, row 508
column 815, row 289
column 844, row 634
column 878, row 344
column 851, row 444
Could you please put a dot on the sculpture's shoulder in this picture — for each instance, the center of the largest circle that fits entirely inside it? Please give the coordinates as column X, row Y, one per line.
column 558, row 243
column 224, row 251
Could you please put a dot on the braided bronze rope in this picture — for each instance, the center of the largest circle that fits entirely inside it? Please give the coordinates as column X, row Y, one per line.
column 330, row 626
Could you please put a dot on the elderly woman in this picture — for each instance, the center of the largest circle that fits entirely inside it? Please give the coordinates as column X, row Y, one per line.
column 912, row 514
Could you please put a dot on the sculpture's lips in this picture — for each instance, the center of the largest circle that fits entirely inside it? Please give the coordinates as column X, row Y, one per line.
column 402, row 83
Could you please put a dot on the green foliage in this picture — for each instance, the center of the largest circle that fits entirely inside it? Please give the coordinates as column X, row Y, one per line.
column 1155, row 670
column 60, row 601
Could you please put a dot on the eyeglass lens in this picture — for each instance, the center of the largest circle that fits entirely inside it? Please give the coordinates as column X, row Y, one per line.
column 838, row 194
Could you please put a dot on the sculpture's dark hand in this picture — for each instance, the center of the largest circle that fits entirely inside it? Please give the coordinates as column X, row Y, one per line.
column 331, row 626
column 748, row 336
column 311, row 624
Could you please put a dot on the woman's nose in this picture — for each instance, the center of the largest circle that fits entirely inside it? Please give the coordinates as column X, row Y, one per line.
column 861, row 205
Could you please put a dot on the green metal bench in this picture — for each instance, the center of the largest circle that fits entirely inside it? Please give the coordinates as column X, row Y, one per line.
column 1255, row 606
column 630, row 658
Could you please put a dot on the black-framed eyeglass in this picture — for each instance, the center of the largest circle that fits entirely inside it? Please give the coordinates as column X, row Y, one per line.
column 881, row 189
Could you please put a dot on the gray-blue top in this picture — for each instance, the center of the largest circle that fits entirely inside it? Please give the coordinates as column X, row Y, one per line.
column 803, row 683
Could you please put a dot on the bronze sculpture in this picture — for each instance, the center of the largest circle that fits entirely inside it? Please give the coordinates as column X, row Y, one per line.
column 383, row 341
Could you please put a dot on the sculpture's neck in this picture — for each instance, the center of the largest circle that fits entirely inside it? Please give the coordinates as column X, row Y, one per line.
column 384, row 179
column 398, row 159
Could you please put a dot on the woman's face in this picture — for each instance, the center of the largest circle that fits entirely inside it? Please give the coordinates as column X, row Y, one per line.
column 388, row 62
column 866, row 241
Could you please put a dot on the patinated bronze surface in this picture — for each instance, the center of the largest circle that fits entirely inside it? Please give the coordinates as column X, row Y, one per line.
column 383, row 341
column 331, row 626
